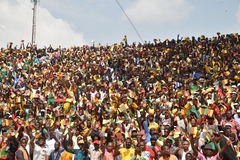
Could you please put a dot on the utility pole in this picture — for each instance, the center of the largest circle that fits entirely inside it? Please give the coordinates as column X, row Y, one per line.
column 34, row 21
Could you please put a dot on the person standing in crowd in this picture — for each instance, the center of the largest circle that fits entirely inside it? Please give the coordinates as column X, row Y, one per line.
column 181, row 153
column 40, row 150
column 79, row 154
column 140, row 153
column 166, row 154
column 56, row 153
column 21, row 153
column 97, row 152
column 108, row 152
column 126, row 152
column 208, row 150
column 230, row 153
column 229, row 120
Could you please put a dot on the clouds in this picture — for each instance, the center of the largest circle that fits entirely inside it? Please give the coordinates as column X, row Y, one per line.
column 16, row 24
column 159, row 11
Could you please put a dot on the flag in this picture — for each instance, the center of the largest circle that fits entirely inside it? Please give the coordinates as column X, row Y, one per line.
column 131, row 94
column 60, row 100
column 136, row 123
column 104, row 129
column 203, row 111
column 238, row 147
column 105, row 121
column 180, row 93
column 193, row 88
column 117, row 129
column 135, row 142
column 194, row 111
column 130, row 101
column 18, row 99
column 127, row 135
column 85, row 131
column 93, row 120
column 119, row 121
column 63, row 123
column 225, row 81
column 111, row 120
column 174, row 111
column 38, row 135
column 183, row 111
column 176, row 133
column 51, row 122
column 226, row 73
column 210, row 112
column 207, row 130
column 8, row 122
column 222, row 109
column 229, row 89
column 87, row 114
column 134, row 105
column 112, row 109
column 187, row 106
column 220, row 93
column 194, row 131
column 16, row 135
column 160, row 142
column 123, row 107
column 26, row 123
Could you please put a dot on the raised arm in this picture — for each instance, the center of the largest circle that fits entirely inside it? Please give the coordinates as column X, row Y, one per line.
column 66, row 147
column 32, row 145
column 195, row 151
column 85, row 146
column 146, row 126
column 102, row 145
column 117, row 147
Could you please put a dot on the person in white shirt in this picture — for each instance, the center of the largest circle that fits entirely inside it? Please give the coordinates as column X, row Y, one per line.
column 40, row 150
column 237, row 118
column 50, row 142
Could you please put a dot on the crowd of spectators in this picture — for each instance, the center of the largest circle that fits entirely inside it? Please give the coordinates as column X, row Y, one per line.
column 163, row 100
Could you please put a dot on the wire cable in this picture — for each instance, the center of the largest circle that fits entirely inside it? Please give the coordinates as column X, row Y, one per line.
column 130, row 21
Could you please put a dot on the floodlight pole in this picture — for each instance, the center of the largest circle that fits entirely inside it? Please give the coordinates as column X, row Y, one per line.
column 34, row 21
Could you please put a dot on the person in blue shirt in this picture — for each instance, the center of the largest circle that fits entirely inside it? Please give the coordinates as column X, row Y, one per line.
column 81, row 153
column 148, row 132
column 56, row 153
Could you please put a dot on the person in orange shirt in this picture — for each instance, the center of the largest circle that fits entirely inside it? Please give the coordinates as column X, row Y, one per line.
column 66, row 155
column 166, row 154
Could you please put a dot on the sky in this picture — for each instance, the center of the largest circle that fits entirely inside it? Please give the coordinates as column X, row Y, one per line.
column 79, row 22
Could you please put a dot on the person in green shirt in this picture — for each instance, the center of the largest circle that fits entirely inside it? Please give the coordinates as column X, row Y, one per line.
column 79, row 154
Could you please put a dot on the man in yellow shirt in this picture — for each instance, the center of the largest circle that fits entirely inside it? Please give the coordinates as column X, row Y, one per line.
column 66, row 155
column 126, row 152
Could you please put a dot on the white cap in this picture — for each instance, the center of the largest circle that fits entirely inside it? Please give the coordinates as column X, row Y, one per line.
column 228, row 124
